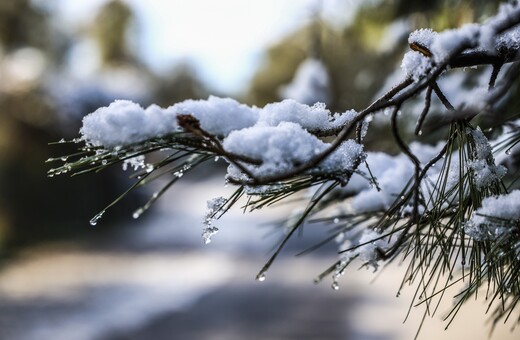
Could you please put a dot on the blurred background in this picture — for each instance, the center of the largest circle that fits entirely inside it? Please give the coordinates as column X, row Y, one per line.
column 154, row 278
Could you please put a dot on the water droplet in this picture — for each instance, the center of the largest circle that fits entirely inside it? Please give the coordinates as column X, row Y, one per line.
column 104, row 162
column 402, row 197
column 95, row 219
column 508, row 152
column 137, row 213
column 260, row 277
column 217, row 158
column 420, row 133
column 336, row 220
column 335, row 285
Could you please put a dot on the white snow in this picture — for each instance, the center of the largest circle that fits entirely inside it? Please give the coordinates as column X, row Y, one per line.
column 282, row 147
column 496, row 217
column 485, row 172
column 416, row 65
column 214, row 205
column 310, row 84
column 443, row 45
column 368, row 243
column 392, row 174
column 312, row 118
column 423, row 37
column 124, row 122
column 136, row 163
column 218, row 116
column 488, row 33
column 449, row 41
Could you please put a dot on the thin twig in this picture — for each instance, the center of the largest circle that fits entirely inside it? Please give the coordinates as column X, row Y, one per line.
column 427, row 102
column 442, row 97
column 494, row 74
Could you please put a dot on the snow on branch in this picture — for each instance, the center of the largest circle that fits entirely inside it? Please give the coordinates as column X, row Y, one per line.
column 454, row 198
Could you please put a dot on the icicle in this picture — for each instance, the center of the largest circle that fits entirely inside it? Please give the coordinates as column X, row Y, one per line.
column 96, row 218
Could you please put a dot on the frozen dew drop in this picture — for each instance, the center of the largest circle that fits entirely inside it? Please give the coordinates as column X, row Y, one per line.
column 508, row 151
column 104, row 162
column 137, row 213
column 207, row 233
column 336, row 220
column 96, row 218
column 217, row 158
column 64, row 159
column 61, row 140
column 335, row 285
column 420, row 133
column 260, row 277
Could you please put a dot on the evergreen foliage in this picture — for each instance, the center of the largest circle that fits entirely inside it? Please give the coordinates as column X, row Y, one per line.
column 437, row 212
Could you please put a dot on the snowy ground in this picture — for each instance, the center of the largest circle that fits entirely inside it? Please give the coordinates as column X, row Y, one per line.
column 159, row 281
